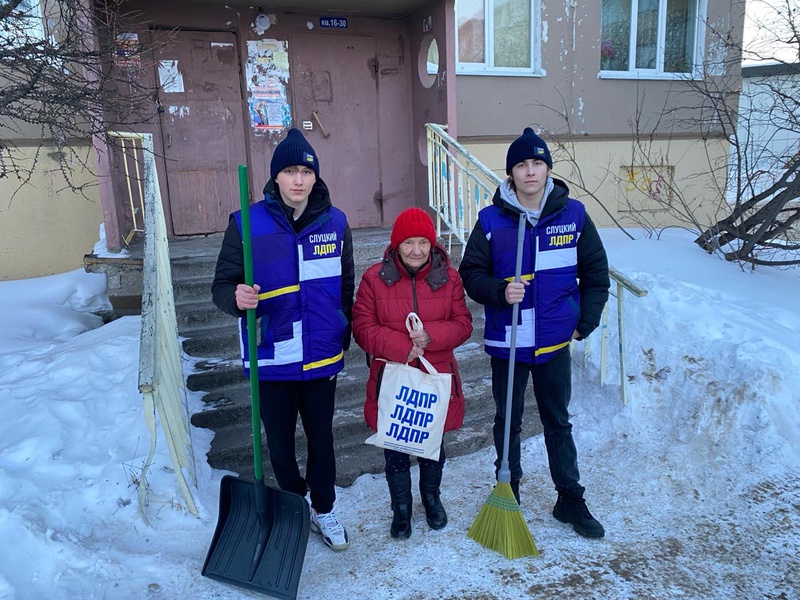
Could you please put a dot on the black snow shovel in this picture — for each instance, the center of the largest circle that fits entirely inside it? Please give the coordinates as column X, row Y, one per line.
column 262, row 532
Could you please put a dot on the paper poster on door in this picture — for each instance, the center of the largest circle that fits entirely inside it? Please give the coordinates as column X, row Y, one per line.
column 267, row 78
column 267, row 109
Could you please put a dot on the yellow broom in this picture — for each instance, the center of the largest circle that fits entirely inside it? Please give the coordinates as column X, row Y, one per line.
column 500, row 525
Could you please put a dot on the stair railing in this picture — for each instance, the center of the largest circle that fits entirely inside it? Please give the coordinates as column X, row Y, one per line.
column 161, row 379
column 130, row 146
column 459, row 186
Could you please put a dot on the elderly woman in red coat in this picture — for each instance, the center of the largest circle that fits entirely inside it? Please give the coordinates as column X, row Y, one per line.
column 414, row 275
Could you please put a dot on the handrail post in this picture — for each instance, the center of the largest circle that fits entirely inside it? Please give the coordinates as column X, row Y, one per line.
column 623, row 380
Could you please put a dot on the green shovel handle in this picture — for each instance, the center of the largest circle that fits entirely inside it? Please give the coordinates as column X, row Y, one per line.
column 252, row 342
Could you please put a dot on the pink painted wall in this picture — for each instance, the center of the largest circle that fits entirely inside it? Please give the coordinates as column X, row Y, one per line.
column 434, row 102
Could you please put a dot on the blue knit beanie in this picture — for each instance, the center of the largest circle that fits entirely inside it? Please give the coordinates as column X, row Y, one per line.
column 528, row 145
column 294, row 150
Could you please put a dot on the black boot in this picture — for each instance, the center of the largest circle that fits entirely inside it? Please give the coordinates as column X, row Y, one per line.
column 400, row 491
column 430, row 480
column 571, row 508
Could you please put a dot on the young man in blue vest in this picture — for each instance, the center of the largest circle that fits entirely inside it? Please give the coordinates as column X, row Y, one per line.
column 561, row 296
column 303, row 296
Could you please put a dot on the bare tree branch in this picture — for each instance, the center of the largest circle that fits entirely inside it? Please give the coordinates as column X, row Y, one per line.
column 67, row 75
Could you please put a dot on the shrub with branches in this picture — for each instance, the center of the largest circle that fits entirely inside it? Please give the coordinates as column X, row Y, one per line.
column 745, row 204
column 70, row 70
column 761, row 227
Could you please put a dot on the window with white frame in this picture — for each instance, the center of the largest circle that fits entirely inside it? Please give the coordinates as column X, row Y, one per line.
column 650, row 37
column 23, row 25
column 497, row 37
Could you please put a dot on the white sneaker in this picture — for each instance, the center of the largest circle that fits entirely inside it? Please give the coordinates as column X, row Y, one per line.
column 333, row 532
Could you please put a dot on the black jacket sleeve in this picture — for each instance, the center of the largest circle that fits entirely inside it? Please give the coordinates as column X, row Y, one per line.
column 593, row 280
column 348, row 283
column 476, row 271
column 230, row 271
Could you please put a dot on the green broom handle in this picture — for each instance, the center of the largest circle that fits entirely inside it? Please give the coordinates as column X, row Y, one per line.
column 252, row 342
column 504, row 475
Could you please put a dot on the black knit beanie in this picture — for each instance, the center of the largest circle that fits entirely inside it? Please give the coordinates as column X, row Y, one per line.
column 528, row 145
column 294, row 150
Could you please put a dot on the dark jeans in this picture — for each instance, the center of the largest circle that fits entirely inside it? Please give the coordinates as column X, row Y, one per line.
column 281, row 401
column 400, row 462
column 552, row 387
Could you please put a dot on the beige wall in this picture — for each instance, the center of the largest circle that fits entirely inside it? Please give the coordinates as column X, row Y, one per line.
column 44, row 228
column 569, row 96
column 691, row 165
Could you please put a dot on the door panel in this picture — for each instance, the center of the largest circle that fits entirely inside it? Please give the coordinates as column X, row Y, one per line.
column 334, row 76
column 202, row 129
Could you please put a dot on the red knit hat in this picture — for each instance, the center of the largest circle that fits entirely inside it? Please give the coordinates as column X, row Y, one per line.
column 413, row 222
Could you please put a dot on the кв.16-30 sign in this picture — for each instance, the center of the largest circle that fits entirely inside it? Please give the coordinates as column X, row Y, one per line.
column 333, row 22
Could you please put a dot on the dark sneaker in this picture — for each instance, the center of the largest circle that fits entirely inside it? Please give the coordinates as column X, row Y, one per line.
column 573, row 510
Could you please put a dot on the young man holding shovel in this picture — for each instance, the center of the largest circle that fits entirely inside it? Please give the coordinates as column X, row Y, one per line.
column 303, row 297
column 563, row 291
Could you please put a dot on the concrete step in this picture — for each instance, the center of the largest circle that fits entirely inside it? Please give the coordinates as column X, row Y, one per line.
column 193, row 267
column 200, row 315
column 191, row 289
column 212, row 374
column 220, row 342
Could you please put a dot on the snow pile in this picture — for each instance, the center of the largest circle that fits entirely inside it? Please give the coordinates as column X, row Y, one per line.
column 696, row 479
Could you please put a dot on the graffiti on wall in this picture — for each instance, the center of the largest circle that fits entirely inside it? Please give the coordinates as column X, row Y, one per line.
column 645, row 187
column 267, row 79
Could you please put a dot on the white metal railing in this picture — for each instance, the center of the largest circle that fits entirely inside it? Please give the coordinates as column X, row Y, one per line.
column 160, row 369
column 130, row 145
column 459, row 186
column 622, row 283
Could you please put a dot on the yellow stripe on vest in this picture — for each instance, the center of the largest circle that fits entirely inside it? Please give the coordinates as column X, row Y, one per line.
column 552, row 348
column 324, row 362
column 279, row 292
column 528, row 277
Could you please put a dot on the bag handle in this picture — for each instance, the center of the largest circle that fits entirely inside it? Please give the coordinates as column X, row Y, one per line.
column 414, row 323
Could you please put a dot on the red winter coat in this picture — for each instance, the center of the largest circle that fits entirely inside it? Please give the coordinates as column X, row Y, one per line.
column 386, row 295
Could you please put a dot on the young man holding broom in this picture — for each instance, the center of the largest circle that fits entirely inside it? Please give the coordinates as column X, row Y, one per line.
column 303, row 297
column 561, row 297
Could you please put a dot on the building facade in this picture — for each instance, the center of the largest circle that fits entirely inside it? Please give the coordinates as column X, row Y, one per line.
column 598, row 81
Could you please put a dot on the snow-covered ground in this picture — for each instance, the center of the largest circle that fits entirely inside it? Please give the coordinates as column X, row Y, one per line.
column 696, row 479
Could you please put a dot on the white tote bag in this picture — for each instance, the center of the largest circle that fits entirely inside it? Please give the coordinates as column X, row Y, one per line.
column 412, row 406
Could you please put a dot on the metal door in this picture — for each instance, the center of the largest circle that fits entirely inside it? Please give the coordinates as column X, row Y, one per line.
column 202, row 128
column 334, row 90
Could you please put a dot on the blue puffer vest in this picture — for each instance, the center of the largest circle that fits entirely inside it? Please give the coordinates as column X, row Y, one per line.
column 301, row 322
column 551, row 308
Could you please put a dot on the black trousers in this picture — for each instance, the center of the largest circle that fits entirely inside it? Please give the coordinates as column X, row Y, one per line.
column 400, row 462
column 552, row 387
column 313, row 400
